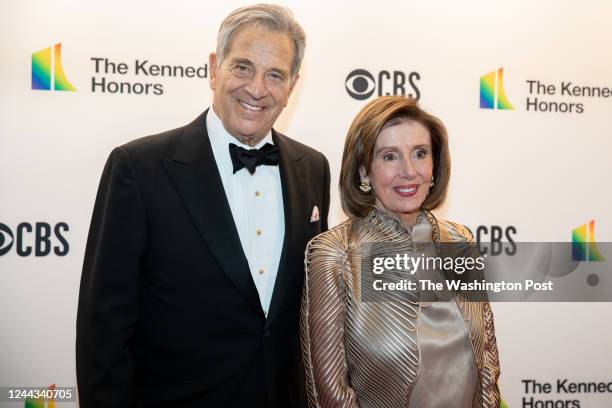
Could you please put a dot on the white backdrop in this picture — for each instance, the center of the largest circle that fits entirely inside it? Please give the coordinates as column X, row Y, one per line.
column 544, row 173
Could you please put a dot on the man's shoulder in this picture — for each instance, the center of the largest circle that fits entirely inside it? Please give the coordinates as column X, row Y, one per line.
column 162, row 144
column 153, row 145
column 299, row 147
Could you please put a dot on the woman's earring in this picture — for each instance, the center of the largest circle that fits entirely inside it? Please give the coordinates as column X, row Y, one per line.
column 365, row 185
column 432, row 182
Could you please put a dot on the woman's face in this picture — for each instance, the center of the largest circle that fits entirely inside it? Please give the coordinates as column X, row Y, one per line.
column 402, row 169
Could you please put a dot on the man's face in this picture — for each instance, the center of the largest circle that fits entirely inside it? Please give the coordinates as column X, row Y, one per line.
column 253, row 83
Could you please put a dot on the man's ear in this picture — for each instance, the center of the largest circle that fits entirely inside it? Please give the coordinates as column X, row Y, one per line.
column 212, row 68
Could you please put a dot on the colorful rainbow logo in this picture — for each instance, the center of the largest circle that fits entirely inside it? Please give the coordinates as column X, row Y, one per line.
column 584, row 247
column 40, row 402
column 492, row 95
column 47, row 71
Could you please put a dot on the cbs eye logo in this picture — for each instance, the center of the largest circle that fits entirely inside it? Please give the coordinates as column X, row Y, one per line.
column 6, row 239
column 38, row 239
column 361, row 84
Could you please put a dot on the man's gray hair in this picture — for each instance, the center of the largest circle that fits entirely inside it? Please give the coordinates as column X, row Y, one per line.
column 273, row 17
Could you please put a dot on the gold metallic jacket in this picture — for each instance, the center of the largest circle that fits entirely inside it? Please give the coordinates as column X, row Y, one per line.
column 341, row 334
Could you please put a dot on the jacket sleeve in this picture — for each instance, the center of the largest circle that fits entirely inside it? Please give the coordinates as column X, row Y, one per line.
column 491, row 394
column 108, row 297
column 490, row 371
column 490, row 389
column 323, row 323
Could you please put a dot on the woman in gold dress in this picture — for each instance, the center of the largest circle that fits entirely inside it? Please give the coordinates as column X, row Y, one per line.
column 392, row 350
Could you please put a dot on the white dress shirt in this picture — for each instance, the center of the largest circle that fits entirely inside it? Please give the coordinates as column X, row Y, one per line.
column 256, row 202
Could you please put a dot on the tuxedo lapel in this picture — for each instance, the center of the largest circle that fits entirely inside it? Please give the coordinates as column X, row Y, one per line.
column 293, row 172
column 195, row 175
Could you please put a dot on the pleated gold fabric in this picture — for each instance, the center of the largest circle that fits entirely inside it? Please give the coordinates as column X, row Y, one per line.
column 366, row 354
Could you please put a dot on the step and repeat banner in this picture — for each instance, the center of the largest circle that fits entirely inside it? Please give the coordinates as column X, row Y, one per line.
column 524, row 88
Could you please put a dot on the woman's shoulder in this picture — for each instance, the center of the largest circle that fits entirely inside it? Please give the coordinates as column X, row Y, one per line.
column 453, row 231
column 334, row 238
column 327, row 253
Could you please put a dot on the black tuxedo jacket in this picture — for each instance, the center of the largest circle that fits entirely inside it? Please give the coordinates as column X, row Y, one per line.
column 168, row 313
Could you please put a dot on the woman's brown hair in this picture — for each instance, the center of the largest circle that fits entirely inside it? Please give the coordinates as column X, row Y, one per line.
column 359, row 151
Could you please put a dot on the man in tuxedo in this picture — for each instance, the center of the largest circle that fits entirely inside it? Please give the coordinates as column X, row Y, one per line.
column 194, row 264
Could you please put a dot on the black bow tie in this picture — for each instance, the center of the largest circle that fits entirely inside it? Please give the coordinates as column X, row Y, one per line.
column 268, row 155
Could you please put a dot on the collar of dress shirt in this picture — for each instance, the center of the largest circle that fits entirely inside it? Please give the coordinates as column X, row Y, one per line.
column 221, row 138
